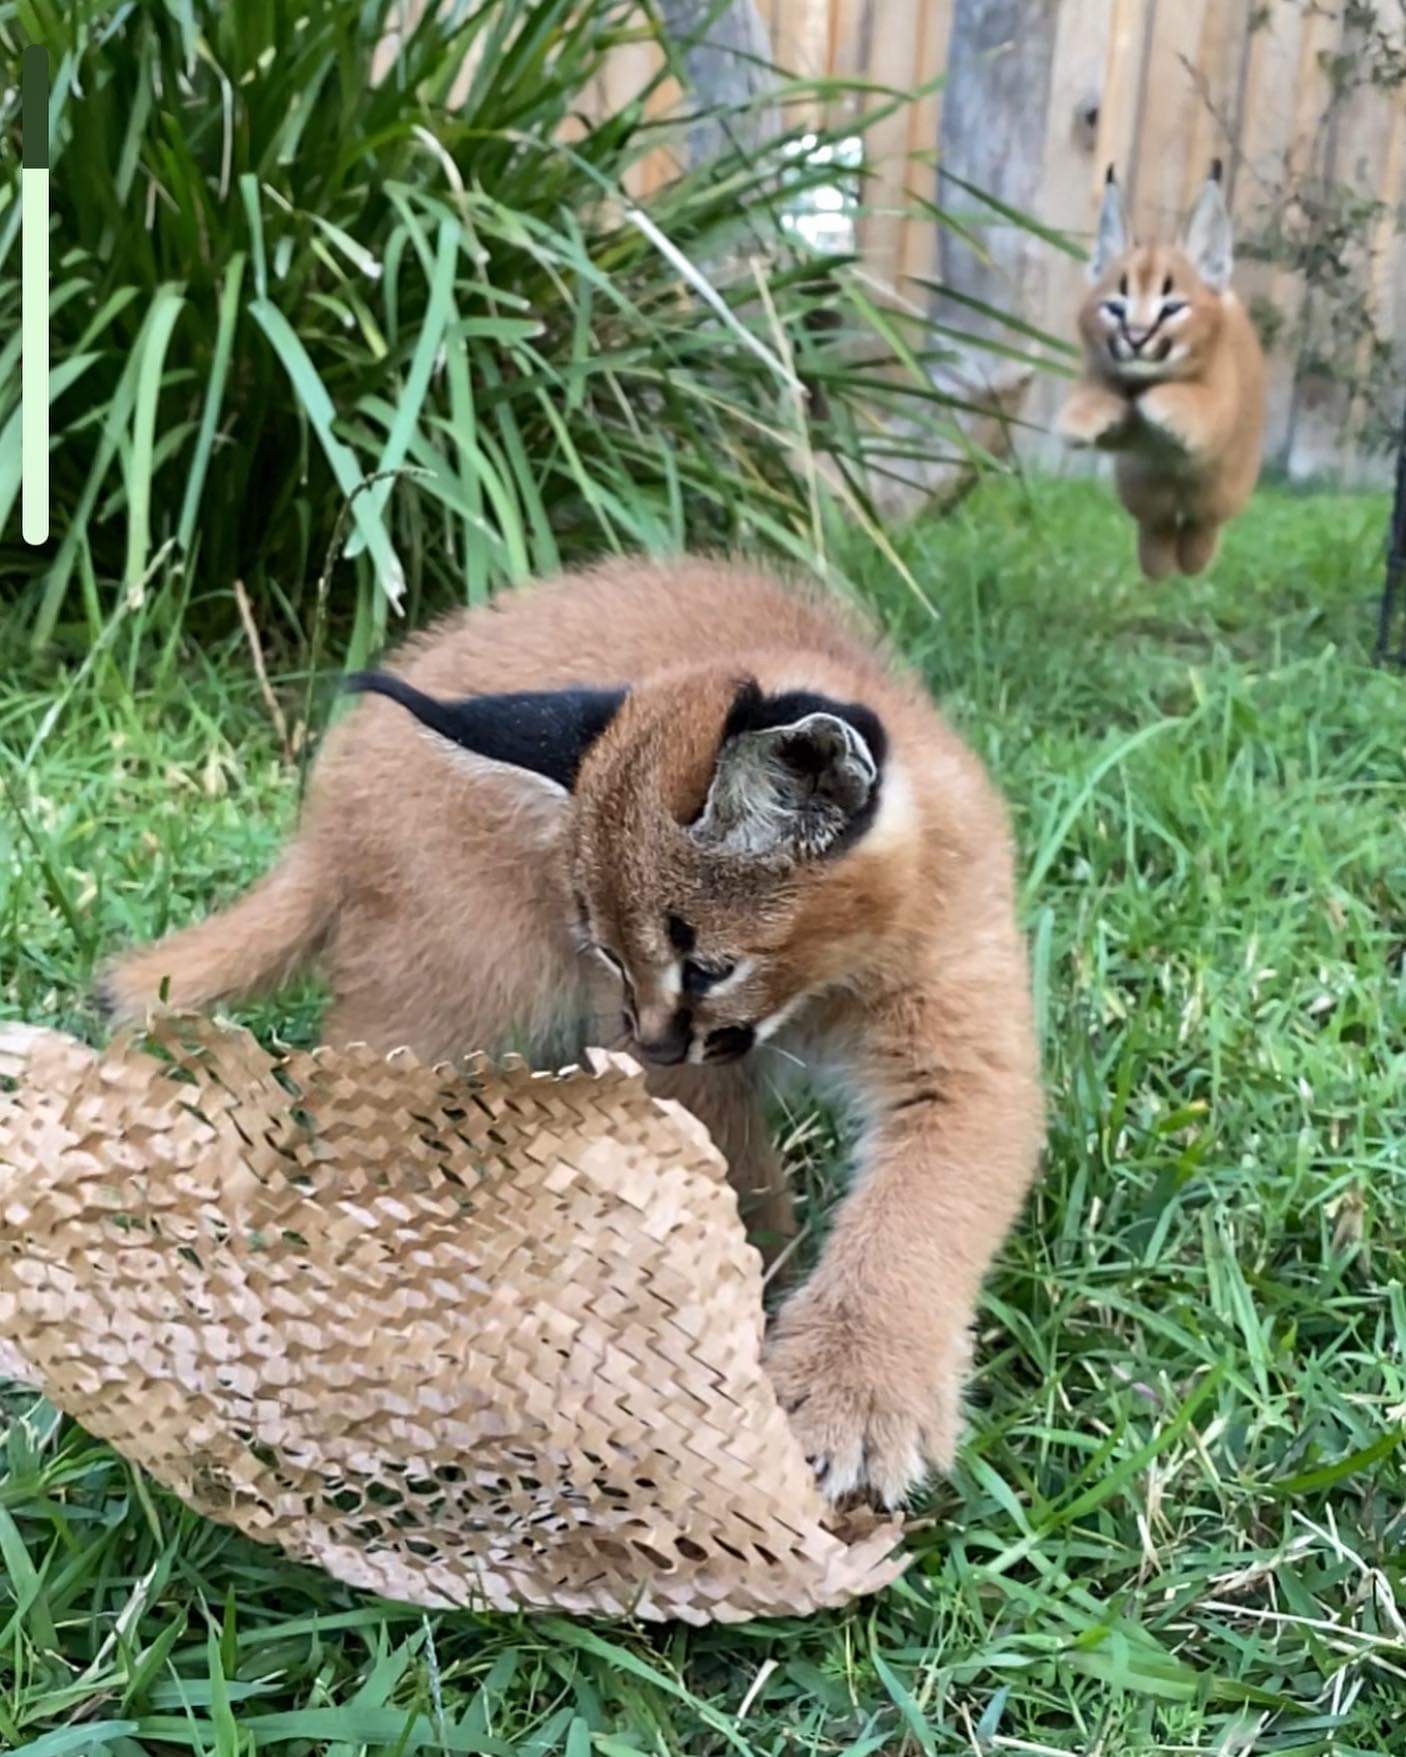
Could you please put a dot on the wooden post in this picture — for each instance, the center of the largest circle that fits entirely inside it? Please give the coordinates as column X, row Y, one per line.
column 1093, row 67
column 726, row 58
column 919, row 253
column 1256, row 169
column 994, row 115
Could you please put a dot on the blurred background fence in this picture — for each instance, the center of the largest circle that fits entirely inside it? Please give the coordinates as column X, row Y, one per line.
column 1030, row 100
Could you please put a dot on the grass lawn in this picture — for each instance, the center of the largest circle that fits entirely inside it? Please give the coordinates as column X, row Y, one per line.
column 1178, row 1523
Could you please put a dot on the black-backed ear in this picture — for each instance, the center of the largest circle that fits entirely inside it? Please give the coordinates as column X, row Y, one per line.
column 797, row 776
column 546, row 732
column 1210, row 238
column 1113, row 236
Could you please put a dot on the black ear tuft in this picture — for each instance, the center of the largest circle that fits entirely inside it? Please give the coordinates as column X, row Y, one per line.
column 1108, row 175
column 1217, row 170
column 547, row 732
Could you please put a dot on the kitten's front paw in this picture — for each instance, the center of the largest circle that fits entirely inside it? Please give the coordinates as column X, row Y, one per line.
column 874, row 1415
column 1093, row 418
column 1165, row 409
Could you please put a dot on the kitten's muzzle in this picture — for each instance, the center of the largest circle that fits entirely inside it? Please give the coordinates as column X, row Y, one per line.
column 1131, row 343
column 665, row 1044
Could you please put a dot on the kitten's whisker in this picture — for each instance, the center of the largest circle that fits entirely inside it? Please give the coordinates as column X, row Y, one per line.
column 786, row 1055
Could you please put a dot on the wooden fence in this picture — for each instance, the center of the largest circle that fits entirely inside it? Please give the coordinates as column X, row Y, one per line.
column 1282, row 90
column 1032, row 99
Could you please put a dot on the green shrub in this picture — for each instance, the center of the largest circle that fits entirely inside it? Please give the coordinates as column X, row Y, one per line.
column 274, row 277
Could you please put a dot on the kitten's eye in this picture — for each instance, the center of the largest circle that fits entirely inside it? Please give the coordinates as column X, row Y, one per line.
column 1170, row 307
column 1123, row 285
column 1115, row 308
column 1167, row 288
column 699, row 978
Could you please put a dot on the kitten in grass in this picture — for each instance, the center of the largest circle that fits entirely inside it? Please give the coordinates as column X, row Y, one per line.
column 696, row 810
column 1173, row 381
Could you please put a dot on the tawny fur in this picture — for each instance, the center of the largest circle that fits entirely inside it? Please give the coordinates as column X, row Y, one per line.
column 453, row 904
column 1173, row 383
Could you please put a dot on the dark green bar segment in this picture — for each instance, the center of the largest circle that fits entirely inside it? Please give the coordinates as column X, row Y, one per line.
column 34, row 95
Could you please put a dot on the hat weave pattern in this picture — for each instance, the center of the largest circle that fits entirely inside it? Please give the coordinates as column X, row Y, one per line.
column 461, row 1336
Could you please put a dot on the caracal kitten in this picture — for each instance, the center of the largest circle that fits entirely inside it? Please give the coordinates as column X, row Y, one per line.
column 685, row 807
column 1173, row 381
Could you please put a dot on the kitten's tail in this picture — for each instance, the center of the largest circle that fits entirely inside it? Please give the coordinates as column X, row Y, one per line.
column 256, row 944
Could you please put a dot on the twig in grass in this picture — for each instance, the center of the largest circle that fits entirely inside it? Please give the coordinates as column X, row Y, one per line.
column 436, row 1681
column 757, row 1685
column 319, row 614
column 784, row 1255
column 256, row 649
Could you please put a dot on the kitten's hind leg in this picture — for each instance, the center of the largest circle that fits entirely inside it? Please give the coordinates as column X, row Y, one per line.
column 1157, row 550
column 1196, row 547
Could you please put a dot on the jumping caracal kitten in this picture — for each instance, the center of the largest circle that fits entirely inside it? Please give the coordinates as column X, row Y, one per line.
column 1173, row 381
column 698, row 813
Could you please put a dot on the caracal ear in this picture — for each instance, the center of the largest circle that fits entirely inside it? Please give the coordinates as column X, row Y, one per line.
column 797, row 777
column 1210, row 240
column 1112, row 238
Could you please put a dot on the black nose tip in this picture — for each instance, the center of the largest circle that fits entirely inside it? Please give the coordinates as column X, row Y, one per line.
column 664, row 1053
column 670, row 1046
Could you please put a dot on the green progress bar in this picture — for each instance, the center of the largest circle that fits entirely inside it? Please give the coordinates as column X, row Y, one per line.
column 34, row 295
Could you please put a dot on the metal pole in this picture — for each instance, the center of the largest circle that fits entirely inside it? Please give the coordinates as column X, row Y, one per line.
column 1395, row 587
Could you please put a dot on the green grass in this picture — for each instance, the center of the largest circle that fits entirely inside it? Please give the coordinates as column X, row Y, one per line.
column 1178, row 1523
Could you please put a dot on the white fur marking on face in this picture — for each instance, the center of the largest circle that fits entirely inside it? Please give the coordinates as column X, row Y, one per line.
column 745, row 967
column 773, row 1022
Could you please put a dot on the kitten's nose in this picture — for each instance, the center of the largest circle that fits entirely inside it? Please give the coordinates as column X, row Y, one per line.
column 664, row 1038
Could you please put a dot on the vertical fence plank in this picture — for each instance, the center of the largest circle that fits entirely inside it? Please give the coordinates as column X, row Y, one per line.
column 1274, row 56
column 918, row 251
column 1167, row 118
column 1389, row 233
column 1332, row 412
column 1088, row 61
column 1312, row 155
column 1128, row 29
column 891, row 35
column 1219, row 84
